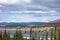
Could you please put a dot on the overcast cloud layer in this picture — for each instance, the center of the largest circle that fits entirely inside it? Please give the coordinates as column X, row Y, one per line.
column 29, row 10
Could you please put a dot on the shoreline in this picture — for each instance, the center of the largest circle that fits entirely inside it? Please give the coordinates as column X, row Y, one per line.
column 40, row 38
column 28, row 29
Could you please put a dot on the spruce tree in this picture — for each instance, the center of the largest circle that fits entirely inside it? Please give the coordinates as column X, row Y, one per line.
column 0, row 36
column 33, row 38
column 18, row 35
column 46, row 35
column 35, row 35
column 51, row 34
column 42, row 37
column 38, row 37
column 58, row 34
column 31, row 34
column 55, row 33
column 6, row 36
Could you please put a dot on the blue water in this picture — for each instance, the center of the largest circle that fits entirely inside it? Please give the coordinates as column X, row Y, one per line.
column 27, row 33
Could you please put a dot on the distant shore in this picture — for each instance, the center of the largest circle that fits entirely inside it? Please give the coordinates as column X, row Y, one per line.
column 28, row 29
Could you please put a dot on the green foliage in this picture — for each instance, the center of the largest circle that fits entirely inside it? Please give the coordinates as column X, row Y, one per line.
column 6, row 36
column 46, row 35
column 33, row 38
column 39, row 37
column 18, row 35
column 55, row 33
column 42, row 37
column 51, row 36
column 35, row 35
column 58, row 34
column 31, row 33
column 0, row 36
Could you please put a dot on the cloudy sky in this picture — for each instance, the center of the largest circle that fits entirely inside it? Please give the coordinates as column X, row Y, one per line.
column 29, row 10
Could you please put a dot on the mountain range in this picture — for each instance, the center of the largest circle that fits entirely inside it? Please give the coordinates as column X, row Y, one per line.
column 19, row 23
column 55, row 21
column 26, row 23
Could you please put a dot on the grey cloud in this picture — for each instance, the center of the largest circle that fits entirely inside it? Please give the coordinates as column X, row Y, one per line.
column 52, row 4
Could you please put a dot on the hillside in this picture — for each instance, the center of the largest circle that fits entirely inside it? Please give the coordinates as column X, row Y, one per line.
column 55, row 21
column 18, row 24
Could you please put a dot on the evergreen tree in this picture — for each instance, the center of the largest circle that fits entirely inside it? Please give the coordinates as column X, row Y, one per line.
column 0, row 36
column 58, row 34
column 42, row 37
column 18, row 35
column 30, row 33
column 35, row 35
column 33, row 38
column 46, row 35
column 51, row 36
column 55, row 33
column 39, row 37
column 6, row 36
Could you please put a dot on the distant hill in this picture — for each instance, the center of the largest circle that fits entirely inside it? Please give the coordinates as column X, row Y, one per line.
column 55, row 21
column 20, row 23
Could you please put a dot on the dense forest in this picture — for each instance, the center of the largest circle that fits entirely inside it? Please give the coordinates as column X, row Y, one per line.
column 54, row 35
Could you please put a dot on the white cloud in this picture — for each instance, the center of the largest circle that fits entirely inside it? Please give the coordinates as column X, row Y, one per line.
column 1, row 21
column 39, row 6
column 52, row 11
column 14, row 1
column 1, row 5
column 27, row 1
column 28, row 18
column 13, row 16
column 1, row 11
column 13, row 21
column 3, row 1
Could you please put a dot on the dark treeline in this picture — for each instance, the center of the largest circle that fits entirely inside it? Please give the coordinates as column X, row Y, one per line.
column 18, row 35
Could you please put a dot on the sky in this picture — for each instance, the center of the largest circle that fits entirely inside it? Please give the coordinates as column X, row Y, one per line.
column 29, row 10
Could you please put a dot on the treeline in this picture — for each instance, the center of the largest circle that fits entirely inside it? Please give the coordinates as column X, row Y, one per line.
column 54, row 35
